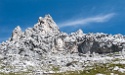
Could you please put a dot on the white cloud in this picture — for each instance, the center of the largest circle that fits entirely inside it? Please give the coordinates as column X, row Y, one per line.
column 96, row 19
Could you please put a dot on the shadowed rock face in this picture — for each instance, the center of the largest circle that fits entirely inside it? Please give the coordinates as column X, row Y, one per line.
column 101, row 44
column 95, row 47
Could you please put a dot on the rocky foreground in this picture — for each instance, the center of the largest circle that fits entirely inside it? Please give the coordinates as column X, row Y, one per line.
column 44, row 49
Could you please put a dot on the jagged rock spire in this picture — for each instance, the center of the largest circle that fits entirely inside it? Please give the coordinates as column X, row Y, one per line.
column 17, row 32
column 46, row 25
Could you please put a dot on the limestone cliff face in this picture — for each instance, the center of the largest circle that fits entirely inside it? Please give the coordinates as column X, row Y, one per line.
column 45, row 39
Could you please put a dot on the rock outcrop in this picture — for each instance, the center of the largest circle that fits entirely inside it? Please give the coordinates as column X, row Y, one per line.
column 44, row 44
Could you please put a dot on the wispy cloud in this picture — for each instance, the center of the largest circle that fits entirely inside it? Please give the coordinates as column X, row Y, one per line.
column 85, row 21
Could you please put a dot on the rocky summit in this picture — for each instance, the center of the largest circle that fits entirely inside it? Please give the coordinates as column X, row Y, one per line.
column 44, row 49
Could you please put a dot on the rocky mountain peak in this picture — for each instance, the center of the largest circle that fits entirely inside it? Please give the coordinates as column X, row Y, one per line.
column 80, row 31
column 46, row 25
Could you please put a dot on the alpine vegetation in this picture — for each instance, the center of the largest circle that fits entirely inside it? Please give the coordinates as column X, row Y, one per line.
column 44, row 49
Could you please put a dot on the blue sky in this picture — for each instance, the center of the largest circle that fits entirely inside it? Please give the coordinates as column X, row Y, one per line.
column 107, row 16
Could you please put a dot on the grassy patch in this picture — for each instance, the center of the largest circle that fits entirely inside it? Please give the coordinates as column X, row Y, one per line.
column 100, row 68
column 55, row 68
